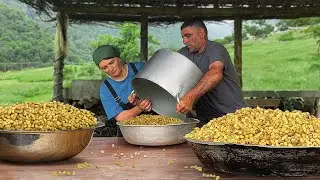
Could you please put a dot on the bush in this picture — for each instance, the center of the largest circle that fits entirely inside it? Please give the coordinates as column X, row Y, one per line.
column 286, row 36
column 88, row 70
column 222, row 41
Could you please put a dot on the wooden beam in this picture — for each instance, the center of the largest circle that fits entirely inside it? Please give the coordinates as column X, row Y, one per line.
column 238, row 48
column 281, row 93
column 82, row 17
column 265, row 103
column 144, row 38
column 240, row 12
column 199, row 3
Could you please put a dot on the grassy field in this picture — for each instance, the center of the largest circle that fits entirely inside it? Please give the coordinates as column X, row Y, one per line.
column 271, row 64
column 268, row 64
column 36, row 84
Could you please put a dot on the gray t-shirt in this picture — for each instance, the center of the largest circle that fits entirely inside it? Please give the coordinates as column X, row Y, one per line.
column 227, row 96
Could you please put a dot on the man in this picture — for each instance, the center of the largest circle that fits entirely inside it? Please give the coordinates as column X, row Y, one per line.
column 116, row 89
column 218, row 92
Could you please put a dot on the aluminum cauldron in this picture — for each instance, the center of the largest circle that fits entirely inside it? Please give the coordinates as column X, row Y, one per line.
column 167, row 76
column 43, row 146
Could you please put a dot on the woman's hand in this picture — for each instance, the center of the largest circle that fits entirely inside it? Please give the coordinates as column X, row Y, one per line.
column 133, row 99
column 145, row 105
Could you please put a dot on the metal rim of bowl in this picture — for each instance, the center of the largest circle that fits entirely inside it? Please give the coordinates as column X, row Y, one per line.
column 195, row 121
column 99, row 124
column 210, row 143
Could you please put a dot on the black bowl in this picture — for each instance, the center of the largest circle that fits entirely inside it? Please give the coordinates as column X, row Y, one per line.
column 257, row 160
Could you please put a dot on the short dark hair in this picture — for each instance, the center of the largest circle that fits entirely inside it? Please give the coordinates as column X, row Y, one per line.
column 194, row 23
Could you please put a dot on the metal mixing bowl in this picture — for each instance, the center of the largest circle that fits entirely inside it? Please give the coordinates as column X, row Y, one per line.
column 257, row 160
column 43, row 146
column 157, row 135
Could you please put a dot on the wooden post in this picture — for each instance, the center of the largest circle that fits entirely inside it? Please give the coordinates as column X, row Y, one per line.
column 317, row 107
column 61, row 52
column 238, row 47
column 144, row 38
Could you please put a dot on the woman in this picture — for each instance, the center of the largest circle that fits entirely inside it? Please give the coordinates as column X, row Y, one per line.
column 117, row 87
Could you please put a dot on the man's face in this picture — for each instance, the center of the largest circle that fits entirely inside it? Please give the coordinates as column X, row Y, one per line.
column 192, row 38
column 111, row 66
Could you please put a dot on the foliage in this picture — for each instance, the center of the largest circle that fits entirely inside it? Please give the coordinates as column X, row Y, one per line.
column 282, row 25
column 314, row 31
column 127, row 42
column 258, row 28
column 24, row 40
column 299, row 22
column 288, row 36
column 222, row 41
column 229, row 39
column 84, row 71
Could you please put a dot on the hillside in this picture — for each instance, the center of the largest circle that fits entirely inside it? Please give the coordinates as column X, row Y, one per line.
column 268, row 64
column 80, row 35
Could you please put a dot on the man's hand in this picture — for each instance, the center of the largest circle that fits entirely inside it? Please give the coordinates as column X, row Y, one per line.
column 133, row 99
column 145, row 105
column 185, row 105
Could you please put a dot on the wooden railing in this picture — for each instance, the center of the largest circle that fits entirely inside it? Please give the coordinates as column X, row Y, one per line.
column 81, row 89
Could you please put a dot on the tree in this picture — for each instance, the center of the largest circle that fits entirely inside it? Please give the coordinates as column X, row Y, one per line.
column 282, row 25
column 127, row 42
column 258, row 28
column 22, row 40
column 314, row 31
column 299, row 22
column 229, row 39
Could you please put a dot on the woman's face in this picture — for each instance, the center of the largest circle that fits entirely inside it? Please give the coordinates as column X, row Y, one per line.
column 112, row 67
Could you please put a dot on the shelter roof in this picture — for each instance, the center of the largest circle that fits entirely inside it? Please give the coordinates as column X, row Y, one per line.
column 177, row 10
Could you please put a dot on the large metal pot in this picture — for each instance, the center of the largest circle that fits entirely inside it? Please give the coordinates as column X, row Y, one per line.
column 157, row 135
column 43, row 146
column 166, row 76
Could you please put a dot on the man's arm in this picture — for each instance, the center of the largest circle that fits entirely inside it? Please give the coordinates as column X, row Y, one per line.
column 206, row 83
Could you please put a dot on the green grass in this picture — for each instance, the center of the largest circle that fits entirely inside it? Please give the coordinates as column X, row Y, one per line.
column 36, row 84
column 29, row 75
column 280, row 65
column 268, row 64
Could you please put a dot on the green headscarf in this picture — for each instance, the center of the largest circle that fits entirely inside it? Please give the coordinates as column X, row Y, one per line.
column 105, row 52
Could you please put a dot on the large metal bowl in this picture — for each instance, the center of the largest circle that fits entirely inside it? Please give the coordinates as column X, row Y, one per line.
column 257, row 160
column 157, row 135
column 43, row 146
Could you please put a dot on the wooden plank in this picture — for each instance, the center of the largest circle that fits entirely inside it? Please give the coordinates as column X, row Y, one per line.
column 238, row 48
column 240, row 12
column 263, row 102
column 91, row 88
column 82, row 17
column 278, row 94
column 276, row 3
column 158, row 164
column 144, row 38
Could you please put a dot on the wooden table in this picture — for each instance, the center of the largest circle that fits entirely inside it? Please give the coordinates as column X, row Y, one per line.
column 113, row 158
